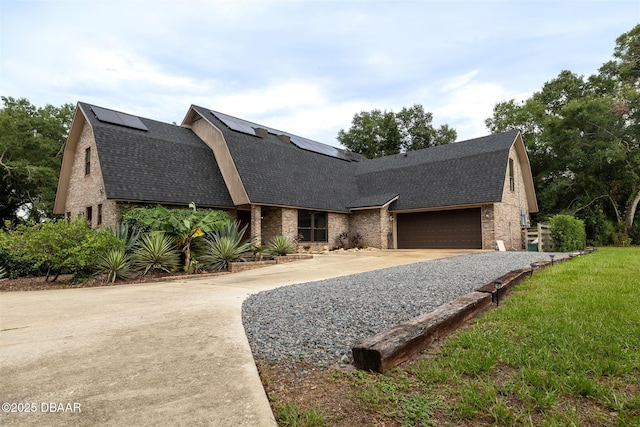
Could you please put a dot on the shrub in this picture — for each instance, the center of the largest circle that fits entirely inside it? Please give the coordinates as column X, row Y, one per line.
column 14, row 267
column 58, row 246
column 568, row 233
column 356, row 240
column 280, row 245
column 115, row 264
column 155, row 251
column 343, row 240
column 3, row 273
column 224, row 246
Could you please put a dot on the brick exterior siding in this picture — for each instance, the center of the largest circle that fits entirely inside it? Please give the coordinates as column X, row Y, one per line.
column 507, row 213
column 374, row 225
column 88, row 190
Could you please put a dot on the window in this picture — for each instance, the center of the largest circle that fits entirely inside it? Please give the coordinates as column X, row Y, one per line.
column 99, row 219
column 89, row 215
column 87, row 161
column 512, row 183
column 312, row 226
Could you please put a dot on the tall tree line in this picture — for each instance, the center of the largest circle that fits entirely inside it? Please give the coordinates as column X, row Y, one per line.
column 583, row 138
column 31, row 146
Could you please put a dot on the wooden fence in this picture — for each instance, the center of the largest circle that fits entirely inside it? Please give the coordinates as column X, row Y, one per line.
column 542, row 236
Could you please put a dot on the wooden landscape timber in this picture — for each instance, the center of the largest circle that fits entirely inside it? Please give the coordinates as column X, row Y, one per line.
column 404, row 340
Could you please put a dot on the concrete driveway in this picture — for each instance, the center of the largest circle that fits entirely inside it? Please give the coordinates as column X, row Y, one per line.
column 167, row 353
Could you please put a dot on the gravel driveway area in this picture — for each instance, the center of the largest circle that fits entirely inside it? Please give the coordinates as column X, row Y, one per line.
column 320, row 321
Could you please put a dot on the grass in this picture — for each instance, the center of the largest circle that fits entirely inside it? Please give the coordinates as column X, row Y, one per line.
column 289, row 414
column 563, row 349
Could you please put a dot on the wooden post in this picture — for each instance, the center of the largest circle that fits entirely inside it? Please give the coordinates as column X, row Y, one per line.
column 540, row 246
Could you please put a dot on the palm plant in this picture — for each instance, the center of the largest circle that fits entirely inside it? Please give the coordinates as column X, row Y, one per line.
column 115, row 264
column 155, row 251
column 225, row 245
column 280, row 246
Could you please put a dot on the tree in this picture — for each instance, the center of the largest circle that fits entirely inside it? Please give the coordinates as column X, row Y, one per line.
column 31, row 147
column 583, row 136
column 381, row 133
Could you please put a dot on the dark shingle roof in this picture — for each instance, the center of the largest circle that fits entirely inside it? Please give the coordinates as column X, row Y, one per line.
column 462, row 173
column 372, row 200
column 166, row 164
column 280, row 173
column 170, row 164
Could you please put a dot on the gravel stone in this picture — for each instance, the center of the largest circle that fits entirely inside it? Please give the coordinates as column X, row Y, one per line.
column 321, row 321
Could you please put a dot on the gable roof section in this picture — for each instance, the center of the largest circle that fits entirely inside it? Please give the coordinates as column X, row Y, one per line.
column 163, row 164
column 275, row 171
column 462, row 173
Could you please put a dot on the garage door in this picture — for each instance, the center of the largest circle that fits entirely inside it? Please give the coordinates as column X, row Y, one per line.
column 455, row 229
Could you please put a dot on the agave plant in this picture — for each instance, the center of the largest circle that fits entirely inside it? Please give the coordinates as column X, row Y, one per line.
column 225, row 245
column 155, row 251
column 128, row 235
column 115, row 264
column 280, row 245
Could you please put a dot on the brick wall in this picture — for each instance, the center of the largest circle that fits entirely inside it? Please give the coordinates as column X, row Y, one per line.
column 507, row 213
column 488, row 227
column 271, row 223
column 338, row 224
column 88, row 190
column 374, row 225
column 290, row 223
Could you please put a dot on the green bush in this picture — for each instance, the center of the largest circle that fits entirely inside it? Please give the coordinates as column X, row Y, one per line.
column 568, row 233
column 15, row 268
column 115, row 264
column 155, row 251
column 57, row 246
column 280, row 245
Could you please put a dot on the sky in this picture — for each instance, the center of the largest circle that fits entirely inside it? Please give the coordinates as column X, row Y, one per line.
column 304, row 67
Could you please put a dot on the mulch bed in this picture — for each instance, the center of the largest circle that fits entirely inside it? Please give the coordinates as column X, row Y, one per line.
column 64, row 281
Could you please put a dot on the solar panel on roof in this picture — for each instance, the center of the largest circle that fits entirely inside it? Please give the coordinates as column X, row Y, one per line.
column 235, row 123
column 118, row 118
column 247, row 127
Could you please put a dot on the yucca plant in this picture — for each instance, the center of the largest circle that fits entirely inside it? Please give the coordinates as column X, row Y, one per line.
column 155, row 251
column 115, row 264
column 225, row 245
column 280, row 246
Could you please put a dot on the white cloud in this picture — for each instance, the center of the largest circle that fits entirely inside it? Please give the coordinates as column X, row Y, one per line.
column 304, row 67
column 466, row 102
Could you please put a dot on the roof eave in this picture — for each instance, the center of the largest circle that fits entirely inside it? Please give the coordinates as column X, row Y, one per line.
column 77, row 123
column 384, row 205
column 527, row 175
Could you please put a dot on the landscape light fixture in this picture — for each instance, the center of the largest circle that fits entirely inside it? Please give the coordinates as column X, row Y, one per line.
column 533, row 267
column 552, row 256
column 498, row 285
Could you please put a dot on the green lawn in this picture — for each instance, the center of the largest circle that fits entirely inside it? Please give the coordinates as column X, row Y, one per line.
column 563, row 349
